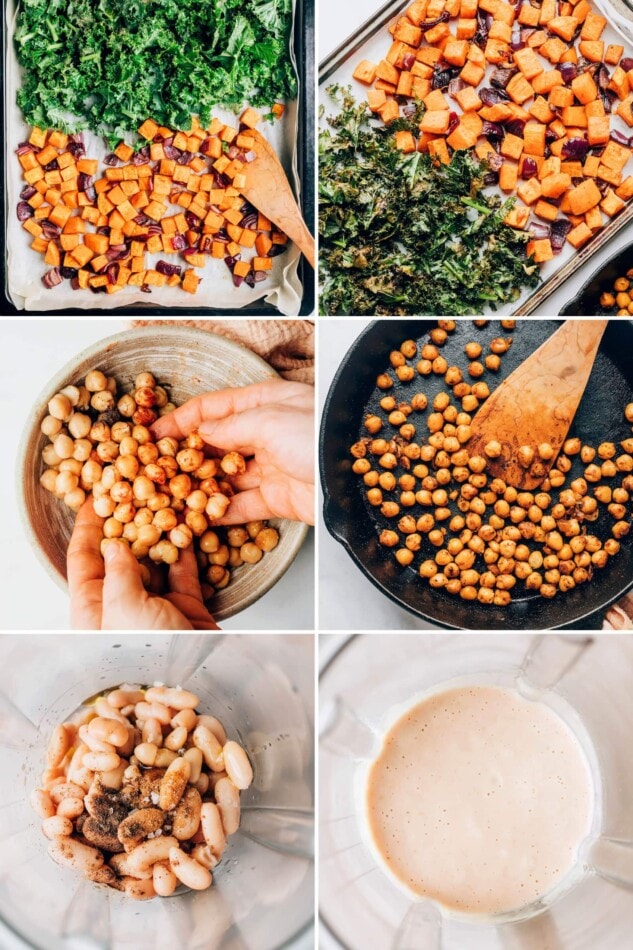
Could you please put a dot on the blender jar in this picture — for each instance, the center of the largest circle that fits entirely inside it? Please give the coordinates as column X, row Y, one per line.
column 371, row 681
column 261, row 688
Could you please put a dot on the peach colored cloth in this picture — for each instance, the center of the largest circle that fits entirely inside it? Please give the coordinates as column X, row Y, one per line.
column 287, row 345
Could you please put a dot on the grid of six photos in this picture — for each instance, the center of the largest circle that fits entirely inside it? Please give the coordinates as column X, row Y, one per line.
column 317, row 610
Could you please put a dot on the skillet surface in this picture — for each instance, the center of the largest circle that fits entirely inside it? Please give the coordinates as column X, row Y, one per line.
column 356, row 525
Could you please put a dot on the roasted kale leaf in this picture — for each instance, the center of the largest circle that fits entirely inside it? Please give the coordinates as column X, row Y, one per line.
column 111, row 64
column 399, row 235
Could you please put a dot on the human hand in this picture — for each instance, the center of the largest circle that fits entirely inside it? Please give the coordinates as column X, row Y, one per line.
column 272, row 425
column 107, row 593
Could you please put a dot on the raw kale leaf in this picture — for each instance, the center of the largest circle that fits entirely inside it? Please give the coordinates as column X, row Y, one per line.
column 401, row 236
column 112, row 64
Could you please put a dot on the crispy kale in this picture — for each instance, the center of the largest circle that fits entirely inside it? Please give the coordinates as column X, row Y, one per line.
column 108, row 65
column 400, row 235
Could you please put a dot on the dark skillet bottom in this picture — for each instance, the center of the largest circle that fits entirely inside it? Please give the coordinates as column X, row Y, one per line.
column 587, row 301
column 357, row 525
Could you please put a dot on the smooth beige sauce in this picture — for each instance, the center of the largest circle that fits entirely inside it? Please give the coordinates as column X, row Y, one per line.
column 479, row 799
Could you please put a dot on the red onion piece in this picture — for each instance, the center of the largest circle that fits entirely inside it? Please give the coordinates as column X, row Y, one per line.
column 27, row 192
column 24, row 148
column 24, row 211
column 576, row 149
column 52, row 278
column 568, row 71
column 163, row 267
column 69, row 273
column 455, row 85
column 408, row 61
column 528, row 168
column 558, row 235
column 112, row 159
column 539, row 230
column 178, row 242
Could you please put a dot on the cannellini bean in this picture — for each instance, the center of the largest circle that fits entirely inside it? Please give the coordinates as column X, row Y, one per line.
column 108, row 730
column 152, row 732
column 52, row 777
column 164, row 879
column 41, row 803
column 186, row 820
column 164, row 758
column 176, row 739
column 194, row 757
column 212, row 829
column 121, row 864
column 101, row 761
column 203, row 783
column 58, row 746
column 82, row 777
column 138, row 890
column 70, row 807
column 76, row 855
column 210, row 747
column 148, row 853
column 172, row 696
column 114, row 778
column 146, row 752
column 128, row 710
column 227, row 798
column 119, row 698
column 203, row 854
column 57, row 827
column 104, row 709
column 66, row 790
column 133, row 736
column 215, row 726
column 173, row 783
column 153, row 711
column 94, row 744
column 188, row 871
column 186, row 718
column 237, row 765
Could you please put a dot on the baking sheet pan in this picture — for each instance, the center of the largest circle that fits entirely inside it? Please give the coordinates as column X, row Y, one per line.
column 290, row 291
column 356, row 525
column 371, row 41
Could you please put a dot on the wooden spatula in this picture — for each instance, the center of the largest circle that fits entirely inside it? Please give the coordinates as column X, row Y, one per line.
column 537, row 403
column 268, row 190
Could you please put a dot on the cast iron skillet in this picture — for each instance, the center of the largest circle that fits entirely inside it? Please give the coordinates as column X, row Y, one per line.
column 587, row 300
column 356, row 525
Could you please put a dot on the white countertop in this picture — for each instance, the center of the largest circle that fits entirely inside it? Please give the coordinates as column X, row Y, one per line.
column 33, row 351
column 338, row 22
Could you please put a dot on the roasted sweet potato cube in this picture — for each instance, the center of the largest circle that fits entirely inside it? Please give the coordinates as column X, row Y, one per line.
column 405, row 84
column 584, row 197
column 500, row 31
column 389, row 111
column 553, row 186
column 508, row 176
column 529, row 191
column 593, row 27
column 435, row 121
column 386, row 71
column 540, row 250
column 613, row 54
column 407, row 33
column 512, row 146
column 611, row 204
column 579, row 235
column 563, row 26
column 519, row 89
column 466, row 28
column 517, row 217
column 496, row 51
column 625, row 110
column 528, row 15
column 554, row 49
column 584, row 88
column 472, row 73
column 611, row 175
column 365, row 72
column 593, row 219
column 405, row 141
column 534, row 138
column 598, row 130
column 455, row 52
column 468, row 99
column 528, row 62
column 190, row 281
column 615, row 156
column 592, row 50
column 543, row 209
column 438, row 150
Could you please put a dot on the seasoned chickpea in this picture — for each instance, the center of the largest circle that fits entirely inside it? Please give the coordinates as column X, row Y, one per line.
column 419, row 402
column 409, row 348
column 493, row 449
column 405, row 373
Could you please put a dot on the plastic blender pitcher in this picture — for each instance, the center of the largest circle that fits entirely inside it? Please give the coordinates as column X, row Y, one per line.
column 371, row 681
column 261, row 688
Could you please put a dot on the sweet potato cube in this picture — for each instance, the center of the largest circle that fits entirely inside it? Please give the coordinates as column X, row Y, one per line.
column 472, row 73
column 625, row 190
column 59, row 215
column 512, row 146
column 611, row 204
column 611, row 175
column 376, row 99
column 553, row 186
column 593, row 219
column 386, row 71
column 464, row 136
column 37, row 138
column 466, row 28
column 436, row 100
column 496, row 51
column 500, row 31
column 613, row 54
column 438, row 150
column 421, row 88
column 124, row 151
column 455, row 52
column 592, row 27
column 528, row 15
column 405, row 141
column 250, row 118
column 573, row 169
column 563, row 26
column 428, row 55
column 625, row 110
column 554, row 49
column 546, row 81
column 407, row 33
column 579, row 235
column 405, row 84
column 584, row 88
column 534, row 138
column 541, row 111
column 468, row 99
column 435, row 121
column 389, row 111
column 88, row 166
column 517, row 217
column 584, row 196
column 47, row 155
column 190, row 281
column 519, row 89
column 615, row 156
column 540, row 250
column 508, row 176
column 437, row 33
column 598, row 130
column 592, row 50
column 543, row 209
column 529, row 191
column 575, row 117
column 528, row 62
column 365, row 72
column 561, row 97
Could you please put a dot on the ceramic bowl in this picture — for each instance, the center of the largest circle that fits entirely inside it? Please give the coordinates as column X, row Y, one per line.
column 187, row 361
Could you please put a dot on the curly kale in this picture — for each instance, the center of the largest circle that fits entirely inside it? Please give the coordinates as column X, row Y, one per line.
column 108, row 65
column 401, row 235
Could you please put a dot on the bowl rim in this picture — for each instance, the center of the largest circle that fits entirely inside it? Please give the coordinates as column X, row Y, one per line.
column 60, row 379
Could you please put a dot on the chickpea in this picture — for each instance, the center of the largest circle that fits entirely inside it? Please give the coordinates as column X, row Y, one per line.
column 453, row 376
column 628, row 412
column 404, row 557
column 102, row 401
column 424, row 367
column 620, row 529
column 390, row 509
column 607, row 300
column 461, row 390
column 470, row 403
column 419, row 402
column 440, row 366
column 492, row 362
column 388, row 539
column 493, row 449
column 216, row 508
column 396, row 358
column 500, row 345
column 608, row 469
column 473, row 350
column 476, row 369
column 481, row 390
column 405, row 373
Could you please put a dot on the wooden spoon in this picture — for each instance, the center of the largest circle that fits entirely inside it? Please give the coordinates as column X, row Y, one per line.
column 536, row 404
column 267, row 188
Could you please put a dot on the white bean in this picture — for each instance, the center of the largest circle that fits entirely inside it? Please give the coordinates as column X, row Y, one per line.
column 212, row 829
column 104, row 709
column 203, row 854
column 138, row 890
column 227, row 798
column 237, row 765
column 173, row 783
column 148, row 853
column 194, row 757
column 153, row 711
column 109, row 731
column 176, row 739
column 203, row 783
column 121, row 864
column 119, row 698
column 65, row 790
column 152, row 732
column 186, row 820
column 101, row 761
column 41, row 803
column 215, row 726
column 94, row 744
column 165, row 881
column 172, row 696
column 210, row 747
column 188, row 871
column 186, row 718
column 146, row 752
column 76, row 855
column 57, row 827
column 58, row 746
column 114, row 778
column 70, row 807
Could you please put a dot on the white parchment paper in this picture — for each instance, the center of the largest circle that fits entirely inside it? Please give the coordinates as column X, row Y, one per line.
column 376, row 49
column 25, row 267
